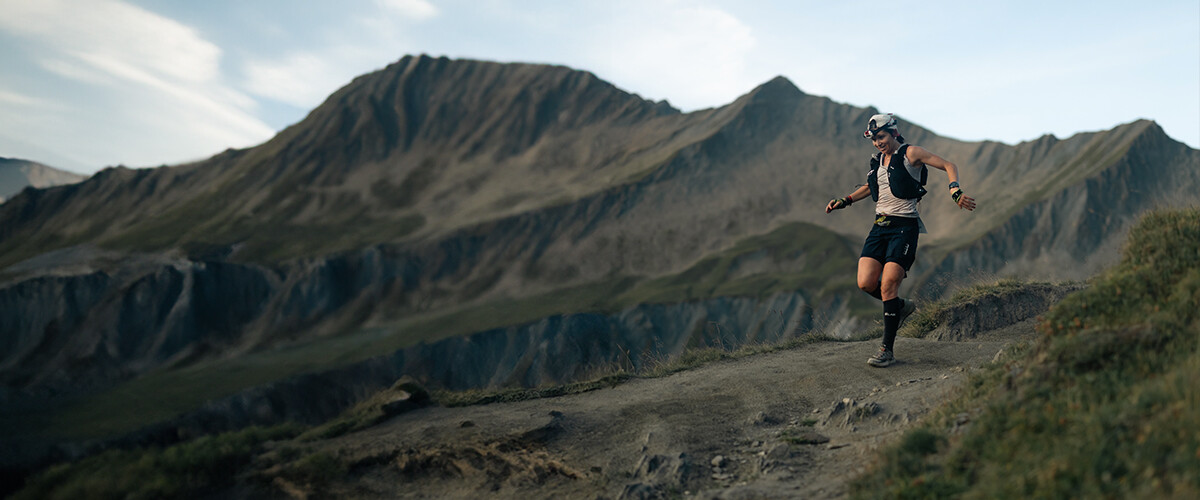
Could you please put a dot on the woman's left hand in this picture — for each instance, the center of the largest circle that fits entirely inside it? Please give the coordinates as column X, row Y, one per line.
column 964, row 201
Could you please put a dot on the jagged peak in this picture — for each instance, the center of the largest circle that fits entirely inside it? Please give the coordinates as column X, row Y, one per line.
column 468, row 106
column 1121, row 133
column 1139, row 125
column 1149, row 133
column 776, row 89
column 1145, row 126
column 1135, row 128
column 415, row 64
column 428, row 71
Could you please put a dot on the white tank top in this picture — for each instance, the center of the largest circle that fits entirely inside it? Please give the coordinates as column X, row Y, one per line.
column 891, row 205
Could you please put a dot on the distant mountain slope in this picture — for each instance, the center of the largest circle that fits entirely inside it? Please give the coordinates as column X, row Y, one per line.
column 421, row 146
column 1068, row 222
column 16, row 174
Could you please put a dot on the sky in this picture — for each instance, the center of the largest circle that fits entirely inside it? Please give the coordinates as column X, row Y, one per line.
column 86, row 84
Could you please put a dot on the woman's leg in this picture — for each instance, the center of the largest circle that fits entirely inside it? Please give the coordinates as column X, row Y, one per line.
column 890, row 280
column 869, row 272
column 893, row 306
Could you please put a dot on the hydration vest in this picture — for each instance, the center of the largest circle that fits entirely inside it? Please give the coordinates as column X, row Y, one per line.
column 902, row 183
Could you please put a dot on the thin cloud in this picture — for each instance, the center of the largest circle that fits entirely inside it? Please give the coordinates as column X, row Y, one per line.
column 696, row 55
column 131, row 67
column 18, row 100
column 417, row 10
column 136, row 37
column 301, row 79
column 304, row 78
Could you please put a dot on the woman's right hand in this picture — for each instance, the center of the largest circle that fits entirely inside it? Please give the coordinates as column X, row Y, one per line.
column 836, row 204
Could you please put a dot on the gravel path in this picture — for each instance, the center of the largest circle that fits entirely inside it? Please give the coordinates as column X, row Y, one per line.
column 731, row 429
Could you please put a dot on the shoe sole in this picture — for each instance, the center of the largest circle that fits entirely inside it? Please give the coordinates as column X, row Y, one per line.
column 882, row 364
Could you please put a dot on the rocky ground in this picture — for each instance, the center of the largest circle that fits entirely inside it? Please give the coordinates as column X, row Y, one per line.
column 792, row 423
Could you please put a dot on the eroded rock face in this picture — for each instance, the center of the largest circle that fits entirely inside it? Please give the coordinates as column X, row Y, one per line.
column 554, row 350
column 992, row 311
column 89, row 330
column 77, row 333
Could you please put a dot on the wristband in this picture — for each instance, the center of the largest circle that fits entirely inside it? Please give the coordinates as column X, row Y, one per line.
column 957, row 195
column 848, row 200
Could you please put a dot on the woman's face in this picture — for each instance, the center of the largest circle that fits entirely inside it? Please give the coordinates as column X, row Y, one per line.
column 883, row 141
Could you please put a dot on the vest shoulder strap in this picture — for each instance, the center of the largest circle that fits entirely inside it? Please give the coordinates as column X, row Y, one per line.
column 901, row 154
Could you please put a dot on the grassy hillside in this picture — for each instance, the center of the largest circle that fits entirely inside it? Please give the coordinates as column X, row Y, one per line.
column 1103, row 404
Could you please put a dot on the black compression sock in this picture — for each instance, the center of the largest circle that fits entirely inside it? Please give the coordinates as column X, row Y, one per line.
column 891, row 321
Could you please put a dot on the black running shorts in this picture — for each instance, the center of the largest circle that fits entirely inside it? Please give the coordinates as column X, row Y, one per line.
column 895, row 242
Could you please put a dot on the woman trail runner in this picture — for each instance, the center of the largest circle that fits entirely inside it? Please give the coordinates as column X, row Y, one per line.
column 896, row 182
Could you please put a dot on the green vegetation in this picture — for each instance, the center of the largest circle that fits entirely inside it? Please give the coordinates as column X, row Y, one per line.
column 164, row 394
column 1103, row 404
column 207, row 222
column 285, row 241
column 826, row 261
column 594, row 297
column 184, row 470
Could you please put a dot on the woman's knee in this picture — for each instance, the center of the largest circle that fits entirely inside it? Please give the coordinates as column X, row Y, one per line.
column 869, row 271
column 890, row 283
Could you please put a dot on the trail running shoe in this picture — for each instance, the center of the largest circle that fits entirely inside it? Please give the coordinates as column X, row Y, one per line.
column 882, row 358
column 906, row 311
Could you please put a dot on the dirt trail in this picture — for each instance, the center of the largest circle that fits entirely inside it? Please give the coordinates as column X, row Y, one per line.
column 719, row 431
